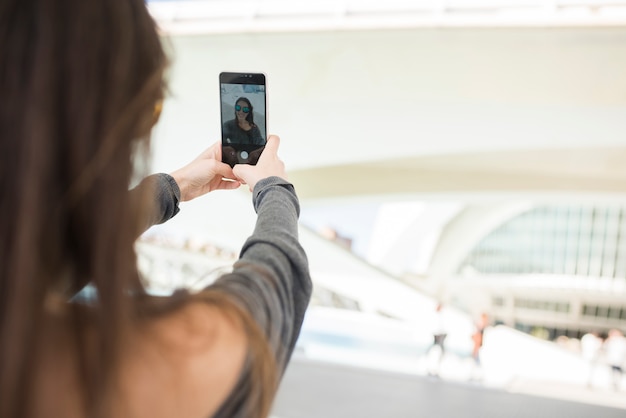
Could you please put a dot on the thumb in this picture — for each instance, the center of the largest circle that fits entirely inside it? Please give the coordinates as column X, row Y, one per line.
column 223, row 170
column 241, row 171
column 271, row 147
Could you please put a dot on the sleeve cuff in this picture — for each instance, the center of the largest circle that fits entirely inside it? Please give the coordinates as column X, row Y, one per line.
column 168, row 195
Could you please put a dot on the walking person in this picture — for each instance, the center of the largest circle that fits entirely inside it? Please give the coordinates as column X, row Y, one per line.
column 438, row 345
column 478, row 338
column 591, row 346
column 615, row 352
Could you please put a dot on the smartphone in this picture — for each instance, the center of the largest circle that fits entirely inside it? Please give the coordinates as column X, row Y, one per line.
column 243, row 106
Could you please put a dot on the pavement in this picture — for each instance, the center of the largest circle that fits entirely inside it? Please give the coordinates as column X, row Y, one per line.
column 354, row 365
column 316, row 389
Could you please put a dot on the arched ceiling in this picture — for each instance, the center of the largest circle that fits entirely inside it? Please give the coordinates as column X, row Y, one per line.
column 419, row 97
column 410, row 111
column 566, row 170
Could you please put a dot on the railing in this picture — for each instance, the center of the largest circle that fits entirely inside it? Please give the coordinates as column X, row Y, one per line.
column 167, row 265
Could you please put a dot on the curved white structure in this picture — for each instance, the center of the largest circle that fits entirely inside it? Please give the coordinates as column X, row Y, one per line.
column 497, row 105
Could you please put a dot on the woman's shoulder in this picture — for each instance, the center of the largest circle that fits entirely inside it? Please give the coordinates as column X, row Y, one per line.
column 194, row 322
column 181, row 363
column 198, row 351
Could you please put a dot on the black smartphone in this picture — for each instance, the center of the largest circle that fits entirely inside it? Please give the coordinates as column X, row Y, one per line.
column 243, row 105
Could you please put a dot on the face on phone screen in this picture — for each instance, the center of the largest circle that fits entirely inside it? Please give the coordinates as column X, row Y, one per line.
column 243, row 108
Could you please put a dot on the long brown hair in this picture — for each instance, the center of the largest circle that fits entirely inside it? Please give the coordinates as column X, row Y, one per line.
column 78, row 84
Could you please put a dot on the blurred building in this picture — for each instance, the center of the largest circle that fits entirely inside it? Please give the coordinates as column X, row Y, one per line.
column 499, row 126
column 561, row 267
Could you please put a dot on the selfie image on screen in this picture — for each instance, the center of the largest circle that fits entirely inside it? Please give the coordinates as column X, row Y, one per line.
column 243, row 122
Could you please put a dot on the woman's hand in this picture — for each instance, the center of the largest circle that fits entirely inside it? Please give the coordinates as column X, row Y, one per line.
column 269, row 165
column 205, row 174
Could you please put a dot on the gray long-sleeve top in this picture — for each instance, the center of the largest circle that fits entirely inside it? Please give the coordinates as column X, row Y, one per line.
column 277, row 299
column 270, row 280
column 233, row 134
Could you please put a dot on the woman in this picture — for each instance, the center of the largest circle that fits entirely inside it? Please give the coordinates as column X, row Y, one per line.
column 242, row 129
column 81, row 83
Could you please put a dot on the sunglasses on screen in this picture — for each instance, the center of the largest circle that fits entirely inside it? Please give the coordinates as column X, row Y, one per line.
column 245, row 109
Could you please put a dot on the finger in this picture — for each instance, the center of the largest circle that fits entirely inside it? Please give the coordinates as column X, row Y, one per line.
column 272, row 144
column 217, row 147
column 213, row 152
column 224, row 170
column 240, row 170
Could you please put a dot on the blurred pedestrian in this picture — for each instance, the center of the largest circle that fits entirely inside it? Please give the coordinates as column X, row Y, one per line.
column 478, row 338
column 439, row 337
column 590, row 347
column 615, row 352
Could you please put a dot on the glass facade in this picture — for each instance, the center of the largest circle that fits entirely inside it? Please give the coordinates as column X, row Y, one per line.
column 604, row 311
column 574, row 240
column 565, row 241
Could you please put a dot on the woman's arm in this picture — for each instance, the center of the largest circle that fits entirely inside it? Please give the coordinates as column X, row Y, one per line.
column 271, row 280
column 164, row 191
column 164, row 195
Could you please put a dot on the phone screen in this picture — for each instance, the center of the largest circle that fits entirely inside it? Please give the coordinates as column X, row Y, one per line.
column 244, row 120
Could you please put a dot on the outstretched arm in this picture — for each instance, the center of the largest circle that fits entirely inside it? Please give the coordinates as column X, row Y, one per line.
column 204, row 174
column 271, row 279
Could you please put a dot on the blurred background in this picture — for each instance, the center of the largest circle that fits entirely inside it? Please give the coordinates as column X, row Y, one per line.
column 466, row 154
